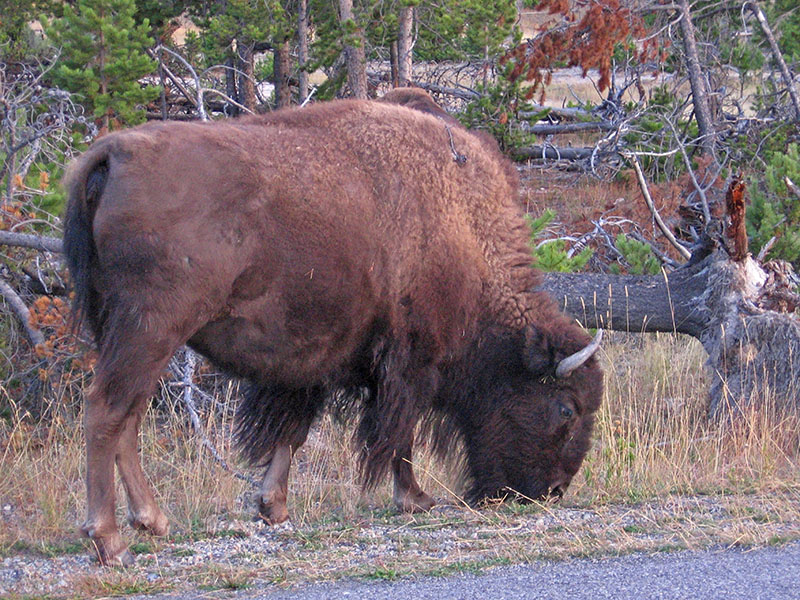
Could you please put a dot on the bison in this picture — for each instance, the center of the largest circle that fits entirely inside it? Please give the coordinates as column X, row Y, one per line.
column 342, row 248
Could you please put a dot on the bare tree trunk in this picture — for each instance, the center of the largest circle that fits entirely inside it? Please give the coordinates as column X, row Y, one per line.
column 247, row 86
column 354, row 54
column 302, row 50
column 753, row 352
column 405, row 46
column 702, row 111
column 282, row 70
column 393, row 64
column 230, row 87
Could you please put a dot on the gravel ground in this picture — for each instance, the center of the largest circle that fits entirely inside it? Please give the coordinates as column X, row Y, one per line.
column 447, row 541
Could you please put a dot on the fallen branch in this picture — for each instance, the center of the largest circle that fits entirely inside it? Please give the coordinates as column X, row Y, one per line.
column 176, row 81
column 464, row 94
column 198, row 101
column 564, row 113
column 792, row 187
column 156, row 116
column 26, row 240
column 558, row 128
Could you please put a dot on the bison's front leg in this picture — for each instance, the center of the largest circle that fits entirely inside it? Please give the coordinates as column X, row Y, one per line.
column 274, row 489
column 408, row 496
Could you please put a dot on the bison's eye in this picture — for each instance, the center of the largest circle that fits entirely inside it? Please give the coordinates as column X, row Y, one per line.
column 565, row 411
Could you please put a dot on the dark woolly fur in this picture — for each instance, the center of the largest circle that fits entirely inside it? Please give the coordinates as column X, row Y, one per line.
column 386, row 400
column 270, row 415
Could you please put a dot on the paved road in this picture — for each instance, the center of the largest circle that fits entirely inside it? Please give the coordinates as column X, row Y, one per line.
column 770, row 573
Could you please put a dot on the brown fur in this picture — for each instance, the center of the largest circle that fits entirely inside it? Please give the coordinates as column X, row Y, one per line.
column 335, row 247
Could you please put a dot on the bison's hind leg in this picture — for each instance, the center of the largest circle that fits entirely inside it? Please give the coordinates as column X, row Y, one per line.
column 143, row 511
column 131, row 360
column 274, row 491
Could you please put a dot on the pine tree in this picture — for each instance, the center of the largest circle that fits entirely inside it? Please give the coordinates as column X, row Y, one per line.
column 15, row 32
column 103, row 58
column 233, row 31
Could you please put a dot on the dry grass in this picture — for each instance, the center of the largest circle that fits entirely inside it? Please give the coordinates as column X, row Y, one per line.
column 659, row 476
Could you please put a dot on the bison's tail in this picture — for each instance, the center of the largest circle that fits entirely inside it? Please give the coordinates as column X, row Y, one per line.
column 85, row 183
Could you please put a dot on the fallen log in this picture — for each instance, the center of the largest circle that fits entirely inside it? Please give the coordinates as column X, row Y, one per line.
column 559, row 128
column 549, row 152
column 741, row 312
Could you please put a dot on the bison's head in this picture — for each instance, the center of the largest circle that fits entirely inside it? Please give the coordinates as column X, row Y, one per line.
column 527, row 420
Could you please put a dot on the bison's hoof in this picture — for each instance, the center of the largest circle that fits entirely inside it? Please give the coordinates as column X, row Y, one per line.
column 272, row 512
column 413, row 503
column 110, row 549
column 123, row 559
column 157, row 525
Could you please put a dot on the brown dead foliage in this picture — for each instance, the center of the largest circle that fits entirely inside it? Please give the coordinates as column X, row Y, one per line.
column 580, row 201
column 585, row 36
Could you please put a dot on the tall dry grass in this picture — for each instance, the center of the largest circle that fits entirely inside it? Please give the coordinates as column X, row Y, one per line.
column 652, row 440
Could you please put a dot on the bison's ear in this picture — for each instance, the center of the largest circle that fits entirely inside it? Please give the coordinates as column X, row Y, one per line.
column 546, row 354
column 540, row 355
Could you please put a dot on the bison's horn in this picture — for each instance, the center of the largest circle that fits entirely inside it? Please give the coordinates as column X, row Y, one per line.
column 572, row 362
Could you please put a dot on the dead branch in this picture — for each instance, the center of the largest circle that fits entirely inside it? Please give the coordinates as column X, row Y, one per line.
column 549, row 152
column 26, row 240
column 776, row 54
column 198, row 101
column 186, row 373
column 762, row 254
column 462, row 93
column 21, row 311
column 562, row 113
column 792, row 187
column 176, row 81
column 157, row 116
column 649, row 200
column 558, row 128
